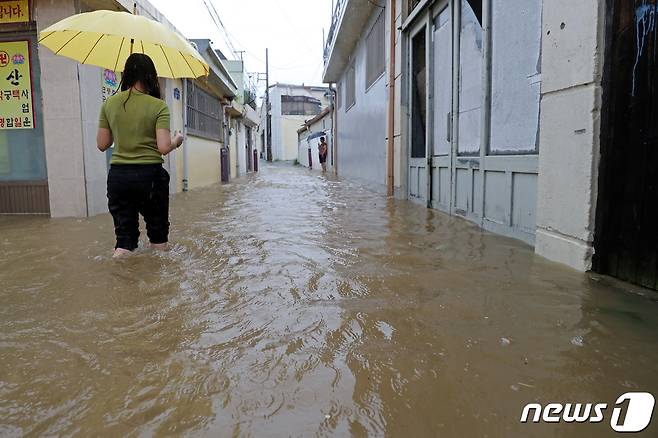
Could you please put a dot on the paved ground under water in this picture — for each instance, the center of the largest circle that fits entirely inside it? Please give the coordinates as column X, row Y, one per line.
column 294, row 304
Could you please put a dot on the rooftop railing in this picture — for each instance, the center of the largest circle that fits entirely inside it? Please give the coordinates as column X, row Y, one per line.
column 333, row 30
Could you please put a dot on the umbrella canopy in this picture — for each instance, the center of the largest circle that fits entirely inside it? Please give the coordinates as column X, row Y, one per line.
column 316, row 135
column 106, row 39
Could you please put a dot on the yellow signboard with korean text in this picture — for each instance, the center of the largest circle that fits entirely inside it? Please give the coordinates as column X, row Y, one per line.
column 16, row 110
column 14, row 11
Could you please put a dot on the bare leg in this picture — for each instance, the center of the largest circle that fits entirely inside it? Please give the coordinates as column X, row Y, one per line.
column 160, row 246
column 120, row 252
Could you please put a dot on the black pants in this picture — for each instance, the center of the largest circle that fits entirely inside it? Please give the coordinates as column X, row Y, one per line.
column 134, row 189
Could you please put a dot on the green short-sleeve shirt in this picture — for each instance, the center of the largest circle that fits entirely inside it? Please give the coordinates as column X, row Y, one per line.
column 133, row 126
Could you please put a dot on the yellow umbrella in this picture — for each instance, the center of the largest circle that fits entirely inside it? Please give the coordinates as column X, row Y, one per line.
column 107, row 38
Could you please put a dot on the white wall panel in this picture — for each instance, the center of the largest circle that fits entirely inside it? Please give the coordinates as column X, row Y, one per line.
column 362, row 129
column 470, row 87
column 516, row 75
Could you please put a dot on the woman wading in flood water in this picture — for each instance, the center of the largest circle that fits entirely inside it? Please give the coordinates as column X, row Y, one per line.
column 136, row 120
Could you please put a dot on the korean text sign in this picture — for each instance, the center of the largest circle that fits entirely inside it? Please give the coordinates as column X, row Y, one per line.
column 14, row 11
column 16, row 111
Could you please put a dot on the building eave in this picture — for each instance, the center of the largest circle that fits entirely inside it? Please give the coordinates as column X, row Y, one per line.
column 349, row 27
column 218, row 70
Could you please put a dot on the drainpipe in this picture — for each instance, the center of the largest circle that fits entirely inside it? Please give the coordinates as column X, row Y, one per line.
column 456, row 41
column 485, row 134
column 186, row 168
column 334, row 128
column 391, row 103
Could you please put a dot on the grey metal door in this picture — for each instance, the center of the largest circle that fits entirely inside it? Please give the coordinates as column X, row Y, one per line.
column 442, row 89
column 418, row 181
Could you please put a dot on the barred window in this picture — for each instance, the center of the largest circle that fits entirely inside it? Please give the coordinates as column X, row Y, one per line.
column 350, row 87
column 204, row 113
column 375, row 52
column 300, row 106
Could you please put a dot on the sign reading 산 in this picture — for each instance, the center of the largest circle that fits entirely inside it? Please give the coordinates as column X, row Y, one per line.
column 14, row 11
column 16, row 110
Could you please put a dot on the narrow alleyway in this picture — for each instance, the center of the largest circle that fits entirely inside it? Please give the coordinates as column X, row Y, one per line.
column 293, row 305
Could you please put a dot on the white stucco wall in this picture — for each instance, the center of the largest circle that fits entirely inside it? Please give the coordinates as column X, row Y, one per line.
column 241, row 149
column 174, row 161
column 91, row 101
column 361, row 147
column 61, row 120
column 572, row 52
column 204, row 162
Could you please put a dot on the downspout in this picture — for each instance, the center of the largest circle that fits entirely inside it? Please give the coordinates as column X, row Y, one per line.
column 334, row 132
column 334, row 128
column 485, row 135
column 186, row 168
column 456, row 45
column 390, row 181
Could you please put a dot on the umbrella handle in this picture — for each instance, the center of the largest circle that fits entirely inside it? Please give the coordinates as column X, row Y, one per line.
column 132, row 40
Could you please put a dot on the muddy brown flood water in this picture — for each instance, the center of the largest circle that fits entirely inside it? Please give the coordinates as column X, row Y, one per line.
column 297, row 305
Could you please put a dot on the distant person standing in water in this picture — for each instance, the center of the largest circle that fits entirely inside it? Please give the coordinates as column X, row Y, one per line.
column 323, row 151
column 136, row 120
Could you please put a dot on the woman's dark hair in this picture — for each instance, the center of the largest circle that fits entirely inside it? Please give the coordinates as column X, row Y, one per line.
column 140, row 68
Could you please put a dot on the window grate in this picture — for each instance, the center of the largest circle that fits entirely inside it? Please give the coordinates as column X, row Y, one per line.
column 204, row 113
column 375, row 52
column 350, row 87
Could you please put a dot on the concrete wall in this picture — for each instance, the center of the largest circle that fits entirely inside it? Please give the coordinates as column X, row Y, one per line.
column 204, row 162
column 289, row 126
column 241, row 155
column 233, row 150
column 61, row 120
column 361, row 152
column 95, row 161
column 174, row 161
column 572, row 52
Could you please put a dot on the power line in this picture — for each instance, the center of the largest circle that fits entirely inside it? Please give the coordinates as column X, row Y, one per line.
column 219, row 24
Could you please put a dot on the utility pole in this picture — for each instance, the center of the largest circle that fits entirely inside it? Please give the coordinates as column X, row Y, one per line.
column 268, row 116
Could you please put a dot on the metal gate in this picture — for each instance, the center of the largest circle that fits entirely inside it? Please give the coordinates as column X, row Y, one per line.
column 442, row 83
column 626, row 239
column 472, row 126
column 418, row 118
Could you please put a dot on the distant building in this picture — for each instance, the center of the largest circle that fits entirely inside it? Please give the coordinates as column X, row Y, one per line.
column 290, row 107
column 243, row 126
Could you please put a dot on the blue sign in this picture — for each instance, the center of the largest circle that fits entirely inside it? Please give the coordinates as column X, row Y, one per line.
column 176, row 94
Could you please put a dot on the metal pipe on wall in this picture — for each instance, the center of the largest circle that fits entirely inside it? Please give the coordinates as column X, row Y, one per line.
column 456, row 45
column 186, row 168
column 334, row 127
column 390, row 158
column 485, row 135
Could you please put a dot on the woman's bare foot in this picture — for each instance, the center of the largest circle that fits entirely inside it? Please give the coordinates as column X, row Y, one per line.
column 120, row 252
column 160, row 246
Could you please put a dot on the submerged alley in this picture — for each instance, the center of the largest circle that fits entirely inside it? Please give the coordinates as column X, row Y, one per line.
column 294, row 304
column 440, row 222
